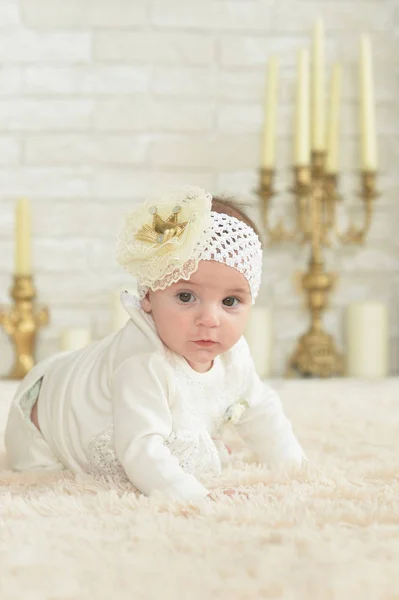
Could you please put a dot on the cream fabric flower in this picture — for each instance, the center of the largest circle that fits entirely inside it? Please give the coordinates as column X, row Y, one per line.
column 235, row 411
column 157, row 253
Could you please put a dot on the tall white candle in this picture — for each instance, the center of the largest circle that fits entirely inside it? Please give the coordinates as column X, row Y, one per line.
column 318, row 118
column 302, row 108
column 268, row 154
column 258, row 334
column 333, row 121
column 74, row 338
column 367, row 340
column 367, row 108
column 23, row 237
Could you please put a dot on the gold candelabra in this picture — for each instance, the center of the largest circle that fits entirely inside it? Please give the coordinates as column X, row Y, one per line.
column 21, row 322
column 316, row 197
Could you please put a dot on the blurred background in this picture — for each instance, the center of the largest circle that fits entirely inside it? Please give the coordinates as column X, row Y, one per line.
column 102, row 101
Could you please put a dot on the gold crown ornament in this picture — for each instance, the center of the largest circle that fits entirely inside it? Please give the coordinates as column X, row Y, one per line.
column 161, row 230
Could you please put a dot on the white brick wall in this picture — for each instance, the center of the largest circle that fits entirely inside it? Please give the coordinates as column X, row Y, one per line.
column 101, row 100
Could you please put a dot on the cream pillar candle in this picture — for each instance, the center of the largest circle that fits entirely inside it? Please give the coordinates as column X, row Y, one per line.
column 333, row 121
column 301, row 126
column 74, row 338
column 268, row 154
column 23, row 237
column 367, row 340
column 318, row 119
column 258, row 334
column 367, row 108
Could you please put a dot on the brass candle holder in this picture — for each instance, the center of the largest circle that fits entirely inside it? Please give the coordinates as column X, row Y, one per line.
column 316, row 197
column 21, row 323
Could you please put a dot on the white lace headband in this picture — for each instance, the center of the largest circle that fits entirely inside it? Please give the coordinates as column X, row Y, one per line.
column 166, row 237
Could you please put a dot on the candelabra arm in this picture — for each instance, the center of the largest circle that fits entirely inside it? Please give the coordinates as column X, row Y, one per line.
column 356, row 235
column 266, row 192
column 7, row 320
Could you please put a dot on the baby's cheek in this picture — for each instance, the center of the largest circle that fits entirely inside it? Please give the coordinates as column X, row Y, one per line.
column 185, row 322
column 234, row 335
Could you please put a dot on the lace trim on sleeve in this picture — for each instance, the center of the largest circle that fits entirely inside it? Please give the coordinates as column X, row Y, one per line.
column 196, row 452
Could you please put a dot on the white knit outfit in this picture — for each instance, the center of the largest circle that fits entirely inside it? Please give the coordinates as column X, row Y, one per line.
column 128, row 405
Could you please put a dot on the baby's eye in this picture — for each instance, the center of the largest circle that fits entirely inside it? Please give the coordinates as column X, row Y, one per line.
column 231, row 301
column 185, row 297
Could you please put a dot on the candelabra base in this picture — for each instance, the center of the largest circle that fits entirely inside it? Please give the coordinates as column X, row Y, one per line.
column 315, row 356
column 21, row 322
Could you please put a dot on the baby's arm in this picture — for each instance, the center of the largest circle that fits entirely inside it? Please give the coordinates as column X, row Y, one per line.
column 268, row 432
column 142, row 422
column 263, row 426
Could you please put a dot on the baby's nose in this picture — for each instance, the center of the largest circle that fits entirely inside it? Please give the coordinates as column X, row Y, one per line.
column 208, row 317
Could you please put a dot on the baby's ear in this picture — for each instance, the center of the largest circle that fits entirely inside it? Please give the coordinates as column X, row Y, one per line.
column 146, row 303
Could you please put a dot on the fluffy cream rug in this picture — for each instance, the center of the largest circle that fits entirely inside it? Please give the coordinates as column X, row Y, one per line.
column 329, row 533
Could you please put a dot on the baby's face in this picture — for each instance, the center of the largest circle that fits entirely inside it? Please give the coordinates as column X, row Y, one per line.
column 204, row 316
